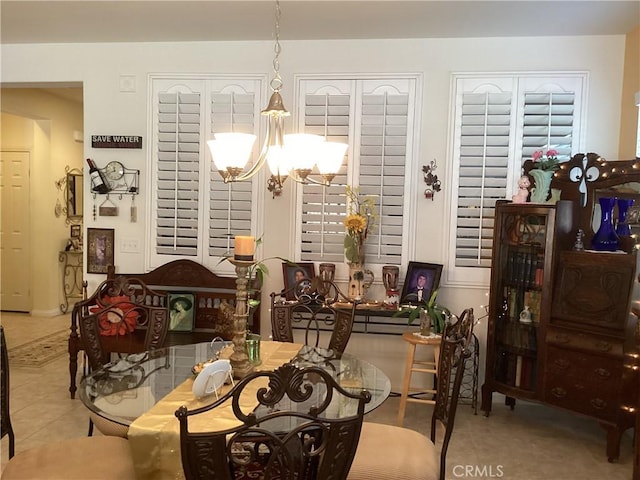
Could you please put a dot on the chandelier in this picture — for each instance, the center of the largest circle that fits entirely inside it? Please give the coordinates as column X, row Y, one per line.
column 293, row 155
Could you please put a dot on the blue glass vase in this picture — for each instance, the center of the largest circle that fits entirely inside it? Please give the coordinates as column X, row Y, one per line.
column 622, row 227
column 606, row 239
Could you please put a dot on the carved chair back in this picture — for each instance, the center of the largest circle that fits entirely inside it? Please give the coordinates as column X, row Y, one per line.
column 7, row 428
column 314, row 310
column 454, row 351
column 301, row 429
column 116, row 320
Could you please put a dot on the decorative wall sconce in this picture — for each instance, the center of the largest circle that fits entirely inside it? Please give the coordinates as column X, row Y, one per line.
column 433, row 184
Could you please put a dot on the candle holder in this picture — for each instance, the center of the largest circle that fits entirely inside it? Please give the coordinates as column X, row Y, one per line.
column 239, row 358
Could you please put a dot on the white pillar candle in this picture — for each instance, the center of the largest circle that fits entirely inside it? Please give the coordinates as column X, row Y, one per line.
column 244, row 248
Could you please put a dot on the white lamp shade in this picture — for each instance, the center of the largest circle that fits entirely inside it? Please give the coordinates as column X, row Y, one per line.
column 278, row 161
column 330, row 157
column 231, row 149
column 302, row 150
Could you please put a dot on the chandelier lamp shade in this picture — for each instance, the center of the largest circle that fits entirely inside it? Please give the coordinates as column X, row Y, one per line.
column 293, row 155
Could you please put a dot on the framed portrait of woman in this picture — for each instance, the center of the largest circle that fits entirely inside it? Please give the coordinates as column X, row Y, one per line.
column 297, row 274
column 182, row 308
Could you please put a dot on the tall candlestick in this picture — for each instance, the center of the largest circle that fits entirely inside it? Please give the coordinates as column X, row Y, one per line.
column 239, row 360
column 244, row 248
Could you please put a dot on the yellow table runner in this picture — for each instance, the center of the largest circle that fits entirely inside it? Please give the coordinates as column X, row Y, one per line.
column 154, row 437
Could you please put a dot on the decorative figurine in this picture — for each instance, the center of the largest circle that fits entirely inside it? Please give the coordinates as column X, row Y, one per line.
column 523, row 190
column 579, row 245
column 525, row 315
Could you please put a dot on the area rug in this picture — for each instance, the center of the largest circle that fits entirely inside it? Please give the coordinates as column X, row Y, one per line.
column 40, row 351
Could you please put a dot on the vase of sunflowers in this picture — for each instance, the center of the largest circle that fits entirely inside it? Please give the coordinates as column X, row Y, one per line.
column 358, row 223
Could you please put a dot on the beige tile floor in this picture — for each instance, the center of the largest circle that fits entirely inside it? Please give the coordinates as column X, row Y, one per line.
column 532, row 442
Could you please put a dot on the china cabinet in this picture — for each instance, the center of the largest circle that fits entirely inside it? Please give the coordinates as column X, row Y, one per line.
column 563, row 321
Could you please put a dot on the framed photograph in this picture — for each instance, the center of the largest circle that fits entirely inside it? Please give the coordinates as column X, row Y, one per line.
column 421, row 280
column 182, row 307
column 100, row 243
column 293, row 273
column 75, row 231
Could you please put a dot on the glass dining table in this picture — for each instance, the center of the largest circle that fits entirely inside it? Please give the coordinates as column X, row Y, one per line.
column 142, row 392
column 124, row 390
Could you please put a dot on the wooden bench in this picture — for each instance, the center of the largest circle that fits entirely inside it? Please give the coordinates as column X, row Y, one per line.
column 211, row 292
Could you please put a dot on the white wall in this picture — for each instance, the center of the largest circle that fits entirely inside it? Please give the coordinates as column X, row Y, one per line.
column 109, row 111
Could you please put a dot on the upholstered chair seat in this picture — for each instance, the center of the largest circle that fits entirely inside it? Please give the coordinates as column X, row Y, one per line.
column 96, row 458
column 389, row 452
column 401, row 453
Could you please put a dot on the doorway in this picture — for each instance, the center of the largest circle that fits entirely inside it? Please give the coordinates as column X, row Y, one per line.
column 15, row 283
column 42, row 140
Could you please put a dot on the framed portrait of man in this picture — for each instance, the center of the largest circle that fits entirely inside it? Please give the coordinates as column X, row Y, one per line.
column 421, row 280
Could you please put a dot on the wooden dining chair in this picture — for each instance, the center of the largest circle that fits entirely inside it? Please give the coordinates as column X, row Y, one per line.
column 314, row 310
column 391, row 452
column 119, row 319
column 292, row 423
column 100, row 458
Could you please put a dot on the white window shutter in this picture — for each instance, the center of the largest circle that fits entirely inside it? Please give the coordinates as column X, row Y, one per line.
column 235, row 107
column 376, row 117
column 386, row 117
column 498, row 123
column 326, row 108
column 177, row 171
column 193, row 213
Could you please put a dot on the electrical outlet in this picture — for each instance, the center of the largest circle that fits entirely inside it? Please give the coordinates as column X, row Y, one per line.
column 130, row 245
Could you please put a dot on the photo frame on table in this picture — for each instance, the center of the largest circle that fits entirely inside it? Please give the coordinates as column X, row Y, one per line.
column 100, row 247
column 294, row 272
column 75, row 231
column 420, row 276
column 182, row 307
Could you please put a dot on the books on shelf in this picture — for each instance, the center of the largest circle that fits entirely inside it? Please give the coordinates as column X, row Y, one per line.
column 525, row 267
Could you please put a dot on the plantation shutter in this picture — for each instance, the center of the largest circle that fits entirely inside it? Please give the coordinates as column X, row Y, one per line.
column 549, row 119
column 499, row 121
column 234, row 108
column 383, row 157
column 327, row 110
column 178, row 168
column 485, row 123
column 375, row 117
column 193, row 213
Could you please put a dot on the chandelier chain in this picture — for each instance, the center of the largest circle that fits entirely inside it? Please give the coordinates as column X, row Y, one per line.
column 276, row 81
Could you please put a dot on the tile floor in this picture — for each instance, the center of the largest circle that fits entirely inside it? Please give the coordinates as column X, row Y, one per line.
column 532, row 442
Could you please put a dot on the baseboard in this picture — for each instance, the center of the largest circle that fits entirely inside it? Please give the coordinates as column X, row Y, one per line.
column 46, row 313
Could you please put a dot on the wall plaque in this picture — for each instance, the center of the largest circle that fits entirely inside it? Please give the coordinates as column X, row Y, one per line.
column 116, row 141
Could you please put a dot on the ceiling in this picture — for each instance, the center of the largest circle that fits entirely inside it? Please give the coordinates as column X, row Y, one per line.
column 50, row 21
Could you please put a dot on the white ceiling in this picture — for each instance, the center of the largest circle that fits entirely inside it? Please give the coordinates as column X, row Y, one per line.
column 27, row 21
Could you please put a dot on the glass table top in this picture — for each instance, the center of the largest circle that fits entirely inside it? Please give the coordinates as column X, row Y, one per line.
column 124, row 390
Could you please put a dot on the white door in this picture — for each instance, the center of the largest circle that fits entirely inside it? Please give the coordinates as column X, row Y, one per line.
column 14, row 232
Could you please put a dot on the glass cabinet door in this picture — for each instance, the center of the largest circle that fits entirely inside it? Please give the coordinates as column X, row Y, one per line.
column 521, row 263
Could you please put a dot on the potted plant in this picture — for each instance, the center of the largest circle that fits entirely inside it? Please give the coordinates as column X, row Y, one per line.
column 432, row 315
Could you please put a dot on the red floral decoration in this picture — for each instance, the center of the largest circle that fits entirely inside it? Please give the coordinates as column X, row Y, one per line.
column 119, row 319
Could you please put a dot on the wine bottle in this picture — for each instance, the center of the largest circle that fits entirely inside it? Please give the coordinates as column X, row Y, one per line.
column 98, row 182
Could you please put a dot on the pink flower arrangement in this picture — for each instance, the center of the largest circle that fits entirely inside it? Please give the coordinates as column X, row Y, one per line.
column 546, row 162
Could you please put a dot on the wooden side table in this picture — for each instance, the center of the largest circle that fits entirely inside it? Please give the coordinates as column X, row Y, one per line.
column 421, row 366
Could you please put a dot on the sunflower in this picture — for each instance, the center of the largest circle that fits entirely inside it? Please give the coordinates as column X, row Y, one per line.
column 355, row 223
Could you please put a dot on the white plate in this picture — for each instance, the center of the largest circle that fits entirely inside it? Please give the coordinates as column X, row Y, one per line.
column 212, row 378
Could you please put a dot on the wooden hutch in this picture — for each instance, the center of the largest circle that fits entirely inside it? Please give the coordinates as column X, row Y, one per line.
column 581, row 349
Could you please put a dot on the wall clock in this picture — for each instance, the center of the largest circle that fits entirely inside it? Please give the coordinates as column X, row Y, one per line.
column 114, row 170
